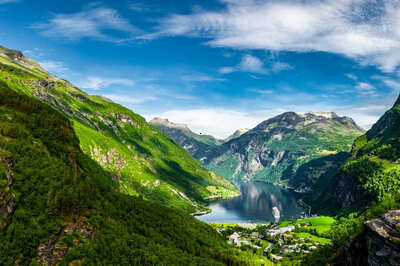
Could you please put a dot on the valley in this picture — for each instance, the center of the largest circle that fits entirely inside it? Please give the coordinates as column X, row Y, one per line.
column 81, row 175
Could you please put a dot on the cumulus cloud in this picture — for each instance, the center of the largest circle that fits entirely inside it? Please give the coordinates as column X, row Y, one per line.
column 365, row 30
column 91, row 23
column 252, row 64
column 98, row 83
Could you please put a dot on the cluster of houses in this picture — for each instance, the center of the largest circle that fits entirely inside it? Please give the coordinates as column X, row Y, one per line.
column 234, row 239
column 285, row 243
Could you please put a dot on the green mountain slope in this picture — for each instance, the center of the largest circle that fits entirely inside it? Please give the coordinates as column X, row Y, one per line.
column 58, row 206
column 373, row 169
column 141, row 157
column 199, row 146
column 274, row 150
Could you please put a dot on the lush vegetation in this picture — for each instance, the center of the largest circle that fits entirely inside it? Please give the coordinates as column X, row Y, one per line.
column 141, row 157
column 372, row 170
column 67, row 209
column 277, row 153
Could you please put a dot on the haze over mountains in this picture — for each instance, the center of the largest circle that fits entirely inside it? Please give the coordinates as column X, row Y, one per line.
column 274, row 149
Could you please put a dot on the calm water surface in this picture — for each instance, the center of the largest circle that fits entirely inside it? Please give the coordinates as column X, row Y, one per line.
column 254, row 205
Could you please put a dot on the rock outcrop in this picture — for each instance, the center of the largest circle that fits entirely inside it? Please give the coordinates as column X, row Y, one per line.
column 379, row 245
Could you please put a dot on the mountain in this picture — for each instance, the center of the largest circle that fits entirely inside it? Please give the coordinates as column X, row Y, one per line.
column 199, row 146
column 273, row 150
column 60, row 207
column 277, row 147
column 236, row 134
column 373, row 169
column 143, row 159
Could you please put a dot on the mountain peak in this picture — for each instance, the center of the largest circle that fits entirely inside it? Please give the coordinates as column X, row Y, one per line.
column 293, row 120
column 237, row 133
column 19, row 58
column 166, row 123
column 328, row 115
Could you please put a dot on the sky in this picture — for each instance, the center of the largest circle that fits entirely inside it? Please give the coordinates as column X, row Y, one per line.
column 218, row 65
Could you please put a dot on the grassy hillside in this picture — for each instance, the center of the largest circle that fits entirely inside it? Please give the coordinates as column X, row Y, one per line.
column 141, row 157
column 373, row 169
column 57, row 205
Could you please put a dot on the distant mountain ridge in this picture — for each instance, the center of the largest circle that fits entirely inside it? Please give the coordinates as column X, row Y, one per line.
column 275, row 149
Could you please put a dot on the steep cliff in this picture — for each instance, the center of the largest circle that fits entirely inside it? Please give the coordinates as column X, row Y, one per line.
column 275, row 149
column 373, row 169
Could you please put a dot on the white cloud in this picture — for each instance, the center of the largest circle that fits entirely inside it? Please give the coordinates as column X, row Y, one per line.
column 201, row 78
column 129, row 99
column 98, row 83
column 209, row 121
column 365, row 88
column 91, row 23
column 260, row 91
column 56, row 67
column 226, row 70
column 365, row 30
column 351, row 76
column 280, row 66
column 252, row 64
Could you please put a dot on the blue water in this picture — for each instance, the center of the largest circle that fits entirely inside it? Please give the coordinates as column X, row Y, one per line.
column 254, row 205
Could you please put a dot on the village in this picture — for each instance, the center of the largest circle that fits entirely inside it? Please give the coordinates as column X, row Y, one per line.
column 287, row 240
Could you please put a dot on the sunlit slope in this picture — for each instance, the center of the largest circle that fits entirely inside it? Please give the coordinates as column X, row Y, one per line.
column 142, row 158
column 59, row 207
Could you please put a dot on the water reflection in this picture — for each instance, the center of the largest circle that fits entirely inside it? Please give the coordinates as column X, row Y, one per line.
column 256, row 204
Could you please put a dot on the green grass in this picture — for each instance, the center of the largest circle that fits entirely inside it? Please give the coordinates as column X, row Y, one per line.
column 141, row 157
column 68, row 205
column 313, row 238
column 322, row 224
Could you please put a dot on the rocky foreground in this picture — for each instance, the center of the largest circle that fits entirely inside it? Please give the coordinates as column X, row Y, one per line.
column 379, row 245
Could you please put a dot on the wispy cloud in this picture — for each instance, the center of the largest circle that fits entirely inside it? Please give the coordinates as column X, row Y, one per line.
column 261, row 91
column 56, row 67
column 201, row 78
column 226, row 70
column 98, row 83
column 346, row 27
column 365, row 88
column 91, row 23
column 252, row 64
column 8, row 1
column 129, row 99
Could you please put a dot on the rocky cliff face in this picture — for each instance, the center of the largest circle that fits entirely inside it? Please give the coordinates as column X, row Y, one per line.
column 380, row 243
column 199, row 146
column 277, row 147
column 372, row 169
column 274, row 150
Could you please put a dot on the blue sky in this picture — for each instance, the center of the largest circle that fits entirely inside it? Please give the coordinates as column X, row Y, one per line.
column 218, row 65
